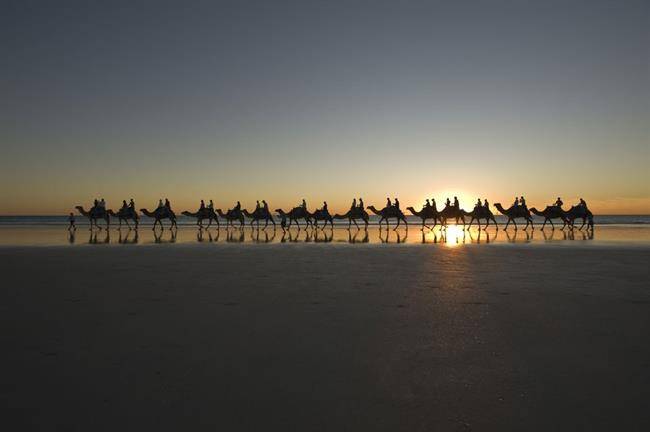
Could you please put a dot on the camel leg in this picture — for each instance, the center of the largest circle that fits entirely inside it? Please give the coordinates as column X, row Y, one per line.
column 507, row 223
column 266, row 223
column 584, row 220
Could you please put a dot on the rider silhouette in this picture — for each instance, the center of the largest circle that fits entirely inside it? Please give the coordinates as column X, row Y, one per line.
column 202, row 206
column 388, row 204
column 360, row 203
column 354, row 203
column 396, row 203
column 456, row 202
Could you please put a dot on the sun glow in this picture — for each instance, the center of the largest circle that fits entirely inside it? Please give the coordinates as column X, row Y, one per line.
column 453, row 235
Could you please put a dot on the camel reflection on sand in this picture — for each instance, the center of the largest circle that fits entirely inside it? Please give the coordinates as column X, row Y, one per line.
column 127, row 238
column 256, row 235
column 386, row 238
column 158, row 236
column 94, row 239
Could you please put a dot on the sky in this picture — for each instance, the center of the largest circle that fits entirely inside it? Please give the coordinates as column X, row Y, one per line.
column 246, row 100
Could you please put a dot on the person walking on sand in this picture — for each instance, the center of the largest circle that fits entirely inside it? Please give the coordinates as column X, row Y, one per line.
column 71, row 221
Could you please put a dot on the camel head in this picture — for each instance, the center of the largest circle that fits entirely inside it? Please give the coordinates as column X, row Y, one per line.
column 373, row 209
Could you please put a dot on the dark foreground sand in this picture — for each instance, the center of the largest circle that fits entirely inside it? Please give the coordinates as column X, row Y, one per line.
column 322, row 337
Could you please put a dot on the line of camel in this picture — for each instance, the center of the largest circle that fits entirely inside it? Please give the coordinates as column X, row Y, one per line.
column 354, row 214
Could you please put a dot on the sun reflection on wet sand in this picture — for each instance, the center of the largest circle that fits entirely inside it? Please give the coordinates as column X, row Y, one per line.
column 452, row 236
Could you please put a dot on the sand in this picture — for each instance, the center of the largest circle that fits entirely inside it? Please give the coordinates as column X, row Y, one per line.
column 325, row 337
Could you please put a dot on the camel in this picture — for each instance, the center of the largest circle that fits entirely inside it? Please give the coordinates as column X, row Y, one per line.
column 322, row 215
column 260, row 214
column 481, row 213
column 232, row 215
column 452, row 212
column 352, row 215
column 513, row 213
column 159, row 214
column 389, row 212
column 580, row 212
column 204, row 213
column 295, row 214
column 550, row 213
column 426, row 213
column 94, row 214
column 124, row 214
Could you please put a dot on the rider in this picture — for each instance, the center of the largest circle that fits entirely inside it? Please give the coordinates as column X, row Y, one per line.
column 124, row 205
column 237, row 206
column 102, row 204
column 257, row 205
column 388, row 204
column 516, row 203
column 522, row 202
column 324, row 206
column 160, row 203
column 433, row 202
column 485, row 204
column 583, row 203
column 427, row 204
column 456, row 202
column 396, row 203
column 201, row 207
column 211, row 205
column 304, row 204
column 132, row 204
column 266, row 206
column 354, row 203
column 360, row 203
column 448, row 202
column 478, row 204
column 559, row 202
column 168, row 206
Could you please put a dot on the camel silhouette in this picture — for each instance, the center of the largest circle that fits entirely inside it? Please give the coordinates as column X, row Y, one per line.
column 481, row 213
column 94, row 214
column 389, row 212
column 427, row 213
column 201, row 214
column 232, row 215
column 550, row 213
column 514, row 213
column 124, row 214
column 452, row 212
column 322, row 215
column 159, row 214
column 295, row 214
column 258, row 215
column 580, row 212
column 352, row 215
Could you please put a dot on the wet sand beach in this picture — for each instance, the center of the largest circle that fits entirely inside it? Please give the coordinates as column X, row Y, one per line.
column 312, row 336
